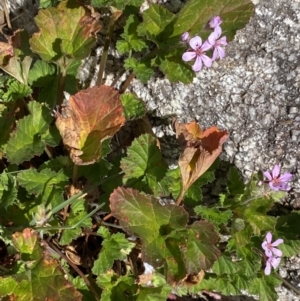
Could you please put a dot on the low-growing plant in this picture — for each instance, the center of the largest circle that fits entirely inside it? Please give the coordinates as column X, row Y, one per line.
column 90, row 210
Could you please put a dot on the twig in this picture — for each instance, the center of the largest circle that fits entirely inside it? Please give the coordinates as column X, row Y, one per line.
column 114, row 17
column 6, row 14
column 88, row 283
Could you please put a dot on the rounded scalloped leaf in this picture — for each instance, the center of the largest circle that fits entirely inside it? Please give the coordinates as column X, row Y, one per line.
column 67, row 29
column 134, row 107
column 143, row 156
column 91, row 117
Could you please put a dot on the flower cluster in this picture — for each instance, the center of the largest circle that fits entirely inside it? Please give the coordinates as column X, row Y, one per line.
column 198, row 49
column 273, row 254
column 277, row 181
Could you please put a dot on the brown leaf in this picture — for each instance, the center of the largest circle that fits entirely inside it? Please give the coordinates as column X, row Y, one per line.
column 91, row 116
column 199, row 149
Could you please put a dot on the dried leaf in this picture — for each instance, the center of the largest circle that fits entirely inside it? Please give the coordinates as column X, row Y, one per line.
column 199, row 149
column 90, row 117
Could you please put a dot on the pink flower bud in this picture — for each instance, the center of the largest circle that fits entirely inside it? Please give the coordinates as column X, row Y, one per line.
column 185, row 36
column 215, row 21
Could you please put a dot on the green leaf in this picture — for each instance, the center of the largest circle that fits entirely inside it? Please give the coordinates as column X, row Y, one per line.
column 16, row 91
column 143, row 159
column 154, row 293
column 27, row 140
column 115, row 247
column 195, row 15
column 47, row 3
column 290, row 247
column 264, row 287
column 59, row 37
column 214, row 215
column 47, row 184
column 145, row 217
column 116, row 287
column 131, row 39
column 171, row 64
column 134, row 107
column 201, row 252
column 142, row 70
column 235, row 184
column 8, row 190
column 155, row 21
column 224, row 265
column 42, row 272
column 41, row 74
column 18, row 69
column 6, row 125
column 73, row 218
column 119, row 4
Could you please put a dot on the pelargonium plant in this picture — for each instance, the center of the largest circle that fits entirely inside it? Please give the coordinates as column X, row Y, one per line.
column 90, row 210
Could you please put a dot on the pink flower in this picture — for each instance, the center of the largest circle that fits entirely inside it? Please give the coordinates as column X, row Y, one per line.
column 215, row 21
column 217, row 45
column 197, row 52
column 272, row 262
column 185, row 36
column 277, row 181
column 268, row 246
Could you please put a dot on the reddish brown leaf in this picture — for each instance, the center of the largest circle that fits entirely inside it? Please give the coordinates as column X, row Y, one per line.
column 90, row 117
column 199, row 149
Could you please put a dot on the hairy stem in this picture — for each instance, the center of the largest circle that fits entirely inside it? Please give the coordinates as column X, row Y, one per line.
column 180, row 197
column 6, row 13
column 127, row 83
column 114, row 17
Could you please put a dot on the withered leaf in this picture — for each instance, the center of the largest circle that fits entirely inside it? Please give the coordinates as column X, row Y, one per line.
column 199, row 149
column 90, row 117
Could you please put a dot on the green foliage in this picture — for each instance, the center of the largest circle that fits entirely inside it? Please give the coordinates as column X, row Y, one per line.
column 144, row 166
column 133, row 107
column 28, row 139
column 119, row 4
column 58, row 166
column 114, row 247
column 39, row 271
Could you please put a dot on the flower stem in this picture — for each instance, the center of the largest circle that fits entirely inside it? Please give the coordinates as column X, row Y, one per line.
column 289, row 285
column 114, row 17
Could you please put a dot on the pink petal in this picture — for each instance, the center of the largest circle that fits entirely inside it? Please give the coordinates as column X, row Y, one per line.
column 215, row 54
column 206, row 60
column 268, row 253
column 276, row 171
column 284, row 187
column 195, row 42
column 275, row 262
column 221, row 52
column 212, row 38
column 185, row 36
column 198, row 64
column 223, row 41
column 268, row 268
column 264, row 245
column 218, row 30
column 268, row 175
column 215, row 21
column 206, row 46
column 277, row 252
column 269, row 237
column 188, row 56
column 277, row 242
column 285, row 177
column 275, row 187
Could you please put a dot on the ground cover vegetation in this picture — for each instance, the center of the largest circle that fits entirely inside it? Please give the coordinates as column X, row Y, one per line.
column 90, row 211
